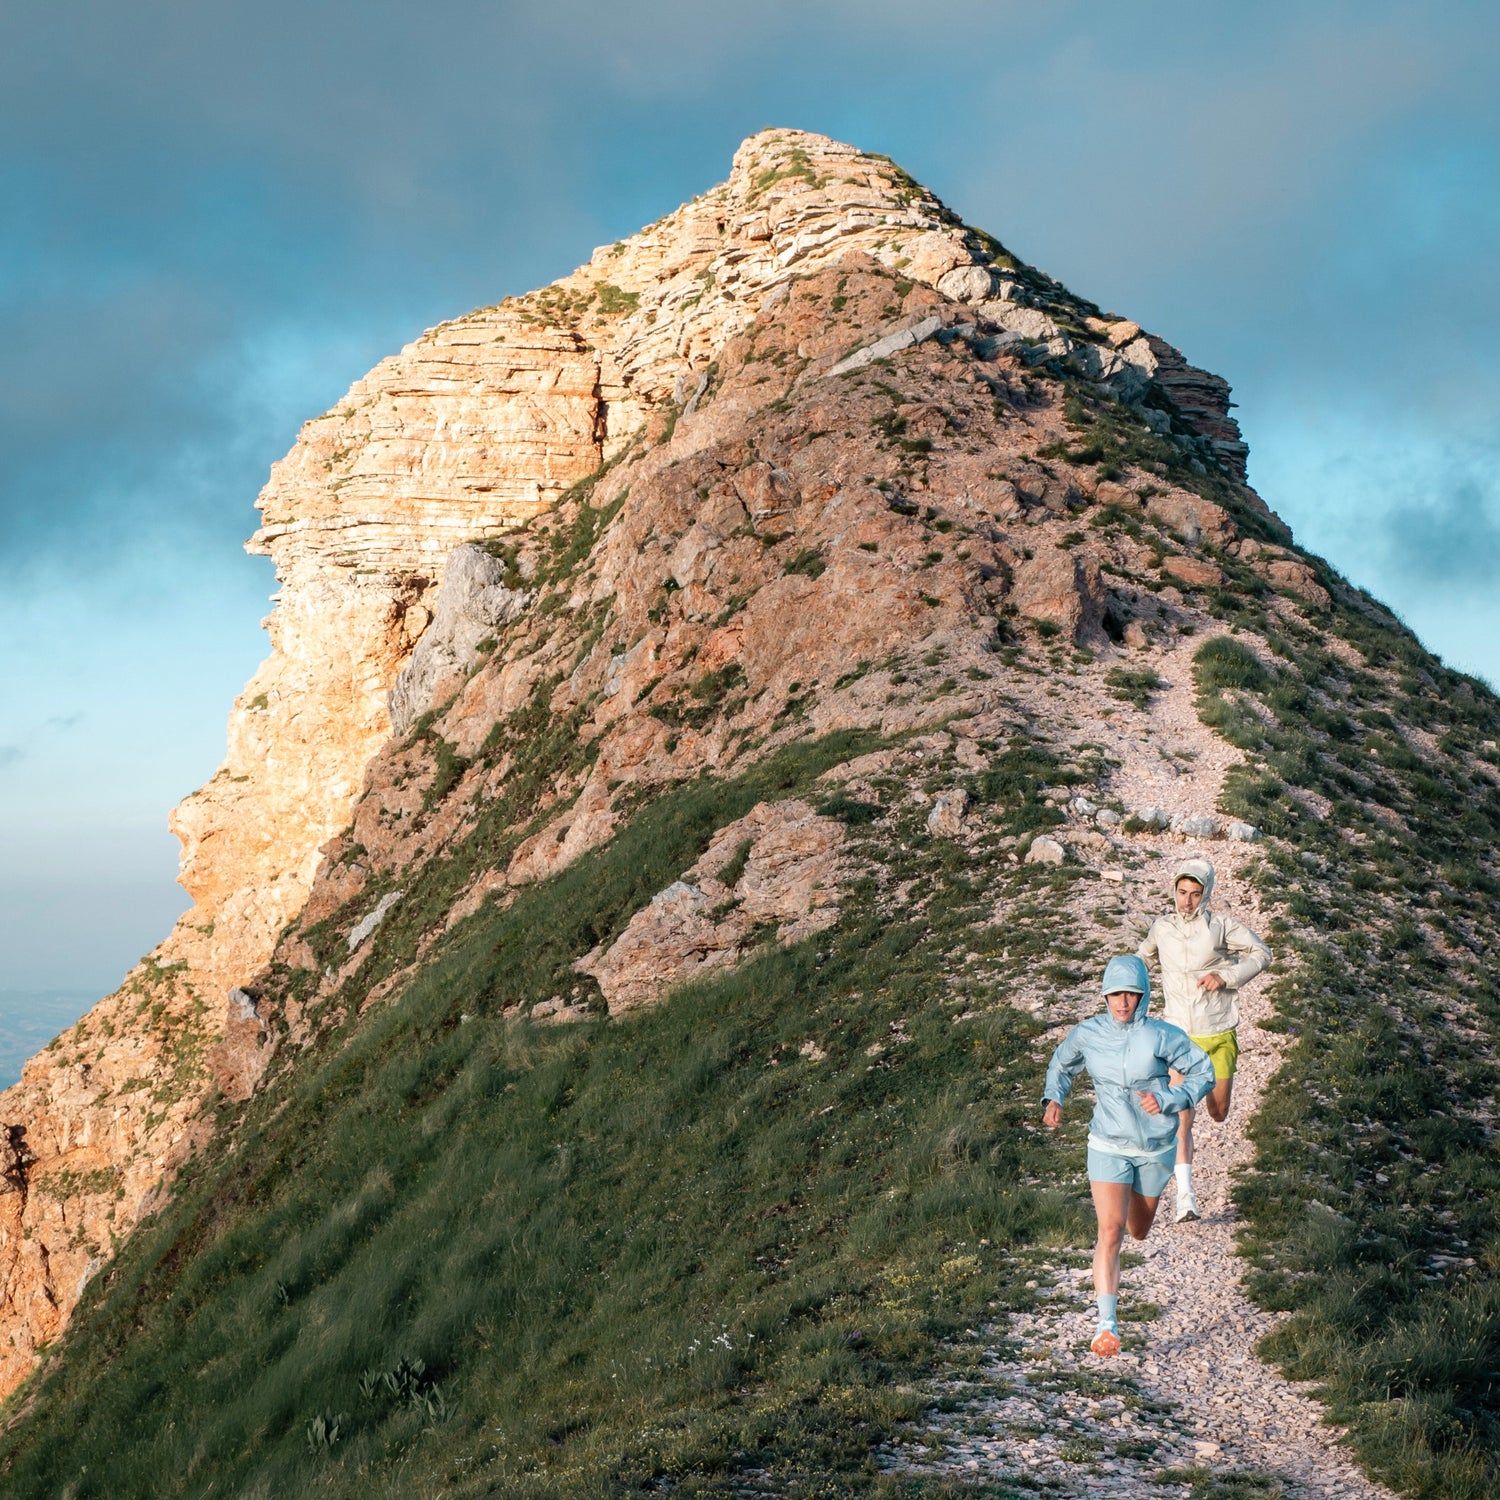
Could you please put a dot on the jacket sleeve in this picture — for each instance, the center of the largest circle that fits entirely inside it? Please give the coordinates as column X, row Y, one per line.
column 1181, row 1052
column 1147, row 950
column 1253, row 955
column 1066, row 1065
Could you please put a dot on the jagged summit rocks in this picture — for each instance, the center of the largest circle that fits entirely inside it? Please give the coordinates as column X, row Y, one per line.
column 848, row 433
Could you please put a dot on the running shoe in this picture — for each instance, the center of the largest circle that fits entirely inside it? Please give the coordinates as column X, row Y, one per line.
column 1106, row 1341
column 1187, row 1208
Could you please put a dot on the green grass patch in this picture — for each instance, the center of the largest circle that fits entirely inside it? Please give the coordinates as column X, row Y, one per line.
column 454, row 1252
column 1133, row 684
column 850, row 810
column 1373, row 1209
column 808, row 563
column 613, row 300
column 1224, row 662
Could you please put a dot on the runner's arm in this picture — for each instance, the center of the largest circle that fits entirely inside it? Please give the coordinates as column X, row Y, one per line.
column 1147, row 951
column 1181, row 1052
column 1065, row 1066
column 1254, row 957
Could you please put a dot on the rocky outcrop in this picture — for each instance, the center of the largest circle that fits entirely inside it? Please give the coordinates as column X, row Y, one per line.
column 242, row 1054
column 773, row 872
column 472, row 604
column 1045, row 850
column 1195, row 572
column 472, row 429
column 1197, row 521
column 946, row 819
column 1295, row 577
column 1202, row 399
column 100, row 1118
column 1062, row 588
column 485, row 421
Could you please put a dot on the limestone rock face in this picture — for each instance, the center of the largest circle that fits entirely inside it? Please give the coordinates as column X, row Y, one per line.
column 98, row 1121
column 1300, row 579
column 1045, row 850
column 1063, row 588
column 783, row 549
column 472, row 604
column 1201, row 397
column 1196, row 572
column 1195, row 519
column 947, row 816
column 472, row 429
column 242, row 1053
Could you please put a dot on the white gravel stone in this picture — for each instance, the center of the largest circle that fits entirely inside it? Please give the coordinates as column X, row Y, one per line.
column 1045, row 851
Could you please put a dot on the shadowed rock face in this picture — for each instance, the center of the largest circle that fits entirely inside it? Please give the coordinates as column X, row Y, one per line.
column 838, row 424
column 472, row 604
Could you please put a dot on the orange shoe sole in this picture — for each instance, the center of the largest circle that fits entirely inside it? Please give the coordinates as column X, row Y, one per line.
column 1106, row 1343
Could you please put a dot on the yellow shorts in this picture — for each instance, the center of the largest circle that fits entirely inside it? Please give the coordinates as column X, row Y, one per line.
column 1223, row 1049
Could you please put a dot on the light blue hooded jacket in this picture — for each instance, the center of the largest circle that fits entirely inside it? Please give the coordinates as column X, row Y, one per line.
column 1122, row 1059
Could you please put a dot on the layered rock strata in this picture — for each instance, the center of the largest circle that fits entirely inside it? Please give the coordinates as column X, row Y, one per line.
column 483, row 424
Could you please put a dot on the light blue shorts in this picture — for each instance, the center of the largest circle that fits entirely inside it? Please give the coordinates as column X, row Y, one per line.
column 1145, row 1171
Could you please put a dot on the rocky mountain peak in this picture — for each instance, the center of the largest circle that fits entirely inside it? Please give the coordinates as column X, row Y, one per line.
column 807, row 455
column 485, row 421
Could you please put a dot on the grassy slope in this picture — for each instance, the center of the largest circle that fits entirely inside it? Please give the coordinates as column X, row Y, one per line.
column 669, row 1246
column 641, row 1250
column 1374, row 1210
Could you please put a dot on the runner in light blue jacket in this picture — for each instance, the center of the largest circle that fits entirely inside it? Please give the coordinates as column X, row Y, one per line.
column 1133, row 1135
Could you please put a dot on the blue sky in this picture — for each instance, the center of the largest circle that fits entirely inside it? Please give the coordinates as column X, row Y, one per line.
column 214, row 218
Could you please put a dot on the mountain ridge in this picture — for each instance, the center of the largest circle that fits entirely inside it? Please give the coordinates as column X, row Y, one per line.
column 920, row 498
column 477, row 426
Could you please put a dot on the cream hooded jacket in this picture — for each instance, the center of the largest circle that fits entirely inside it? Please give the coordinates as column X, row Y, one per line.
column 1187, row 948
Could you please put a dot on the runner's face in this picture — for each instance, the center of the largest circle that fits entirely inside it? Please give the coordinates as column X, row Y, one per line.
column 1189, row 896
column 1122, row 1004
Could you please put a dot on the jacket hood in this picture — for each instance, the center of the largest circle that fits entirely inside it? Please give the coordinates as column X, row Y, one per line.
column 1195, row 869
column 1127, row 972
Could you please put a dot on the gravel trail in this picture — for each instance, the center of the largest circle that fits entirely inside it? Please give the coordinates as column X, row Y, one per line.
column 1187, row 1395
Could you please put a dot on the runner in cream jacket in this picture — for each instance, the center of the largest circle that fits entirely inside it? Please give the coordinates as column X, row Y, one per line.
column 1206, row 957
column 1188, row 948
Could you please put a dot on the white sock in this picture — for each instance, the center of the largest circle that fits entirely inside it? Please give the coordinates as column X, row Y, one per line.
column 1184, row 1173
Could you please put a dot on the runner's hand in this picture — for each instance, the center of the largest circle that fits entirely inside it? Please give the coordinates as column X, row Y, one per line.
column 1148, row 1102
column 1211, row 982
column 1052, row 1115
